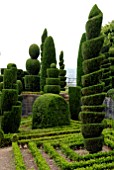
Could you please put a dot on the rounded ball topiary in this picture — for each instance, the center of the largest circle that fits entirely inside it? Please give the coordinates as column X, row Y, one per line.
column 50, row 110
column 34, row 51
column 33, row 66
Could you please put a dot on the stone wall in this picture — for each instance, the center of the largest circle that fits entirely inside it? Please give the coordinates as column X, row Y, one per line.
column 109, row 107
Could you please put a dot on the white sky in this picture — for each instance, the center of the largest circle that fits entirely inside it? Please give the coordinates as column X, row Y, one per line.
column 22, row 23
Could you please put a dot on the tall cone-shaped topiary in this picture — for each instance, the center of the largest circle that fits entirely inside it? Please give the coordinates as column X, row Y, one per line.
column 32, row 81
column 79, row 69
column 49, row 56
column 43, row 37
column 92, row 91
column 62, row 71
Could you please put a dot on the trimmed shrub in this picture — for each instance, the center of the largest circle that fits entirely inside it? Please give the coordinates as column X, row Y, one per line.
column 97, row 108
column 91, row 117
column 74, row 101
column 80, row 61
column 10, row 65
column 19, row 86
column 14, row 138
column 32, row 83
column 50, row 110
column 62, row 71
column 33, row 66
column 52, row 89
column 11, row 120
column 34, row 51
column 43, row 37
column 49, row 56
column 9, row 97
column 95, row 144
column 1, row 137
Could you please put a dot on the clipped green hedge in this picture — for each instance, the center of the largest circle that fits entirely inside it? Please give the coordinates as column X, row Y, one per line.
column 91, row 117
column 92, row 78
column 32, row 83
column 33, row 66
column 98, row 88
column 50, row 110
column 52, row 89
column 97, row 108
column 95, row 99
column 52, row 81
column 74, row 101
column 9, row 97
column 94, row 144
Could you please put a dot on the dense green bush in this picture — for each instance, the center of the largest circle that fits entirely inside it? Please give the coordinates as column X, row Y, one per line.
column 20, row 86
column 34, row 51
column 49, row 56
column 50, row 110
column 74, row 101
column 1, row 137
column 43, row 37
column 33, row 66
column 52, row 81
column 11, row 119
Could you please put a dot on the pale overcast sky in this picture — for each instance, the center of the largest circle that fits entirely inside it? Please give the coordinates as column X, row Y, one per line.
column 22, row 23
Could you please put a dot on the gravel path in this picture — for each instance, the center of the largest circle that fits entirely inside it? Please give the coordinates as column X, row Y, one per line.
column 6, row 159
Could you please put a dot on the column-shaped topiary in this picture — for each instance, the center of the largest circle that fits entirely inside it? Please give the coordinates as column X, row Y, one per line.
column 10, row 106
column 74, row 101
column 79, row 69
column 32, row 81
column 111, row 59
column 43, row 37
column 62, row 71
column 52, row 80
column 92, row 91
column 49, row 56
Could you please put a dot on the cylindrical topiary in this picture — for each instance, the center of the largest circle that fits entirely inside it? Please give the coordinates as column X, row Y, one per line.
column 49, row 56
column 92, row 90
column 43, row 37
column 50, row 110
column 74, row 101
column 52, row 82
column 62, row 71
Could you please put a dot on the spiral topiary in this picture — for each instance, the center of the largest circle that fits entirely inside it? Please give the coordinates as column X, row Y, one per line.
column 92, row 90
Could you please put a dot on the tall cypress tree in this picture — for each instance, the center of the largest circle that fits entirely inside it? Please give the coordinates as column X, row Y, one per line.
column 49, row 57
column 79, row 61
column 43, row 37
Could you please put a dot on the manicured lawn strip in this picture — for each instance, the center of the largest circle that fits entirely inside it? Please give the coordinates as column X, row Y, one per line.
column 40, row 161
column 19, row 162
column 67, row 138
column 71, row 154
column 102, row 166
column 65, row 165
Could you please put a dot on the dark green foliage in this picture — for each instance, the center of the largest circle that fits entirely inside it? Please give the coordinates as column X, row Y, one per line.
column 11, row 120
column 49, row 56
column 91, row 48
column 2, row 70
column 33, row 66
column 80, row 60
column 34, row 51
column 92, row 64
column 92, row 78
column 98, row 88
column 95, row 99
column 52, row 89
column 74, row 101
column 32, row 83
column 1, row 78
column 94, row 144
column 10, row 65
column 43, row 37
column 52, row 80
column 20, row 86
column 10, row 77
column 92, row 129
column 20, row 74
column 1, row 86
column 50, row 110
column 91, row 117
column 1, row 137
column 9, row 98
column 62, row 71
column 15, row 138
